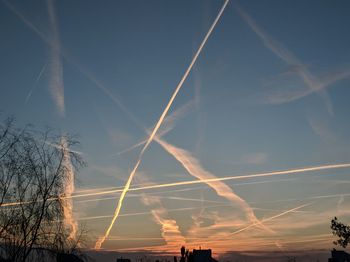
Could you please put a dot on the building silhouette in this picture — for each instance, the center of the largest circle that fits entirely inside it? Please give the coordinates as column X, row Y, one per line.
column 339, row 256
column 197, row 255
column 123, row 260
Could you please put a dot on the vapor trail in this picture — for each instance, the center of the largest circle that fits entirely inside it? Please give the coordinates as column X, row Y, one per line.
column 271, row 218
column 56, row 50
column 55, row 65
column 169, row 211
column 194, row 168
column 189, row 188
column 27, row 22
column 313, row 83
column 161, row 197
column 68, row 191
column 35, row 84
column 169, row 229
column 153, row 133
column 167, row 125
column 56, row 68
column 148, row 212
column 186, row 189
column 205, row 181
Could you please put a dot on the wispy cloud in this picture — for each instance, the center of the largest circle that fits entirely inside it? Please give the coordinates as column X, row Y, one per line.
column 169, row 229
column 254, row 158
column 212, row 230
column 313, row 83
column 55, row 65
column 195, row 169
column 321, row 127
column 68, row 191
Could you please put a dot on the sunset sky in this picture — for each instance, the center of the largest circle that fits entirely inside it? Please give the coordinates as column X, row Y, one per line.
column 269, row 92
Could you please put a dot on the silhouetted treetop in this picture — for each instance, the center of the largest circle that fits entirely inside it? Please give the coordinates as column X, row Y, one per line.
column 342, row 231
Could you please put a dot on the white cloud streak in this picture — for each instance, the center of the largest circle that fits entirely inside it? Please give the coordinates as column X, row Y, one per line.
column 195, row 169
column 169, row 229
column 313, row 83
column 192, row 182
column 167, row 126
column 157, row 126
column 68, row 191
column 55, row 66
column 35, row 84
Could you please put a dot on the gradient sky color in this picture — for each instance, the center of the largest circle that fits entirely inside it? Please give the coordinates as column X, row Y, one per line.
column 269, row 92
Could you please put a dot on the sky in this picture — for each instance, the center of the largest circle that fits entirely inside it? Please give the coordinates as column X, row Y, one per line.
column 268, row 92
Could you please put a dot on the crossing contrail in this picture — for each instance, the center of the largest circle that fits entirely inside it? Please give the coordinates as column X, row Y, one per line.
column 183, row 190
column 168, row 124
column 155, row 129
column 194, row 168
column 314, row 83
column 55, row 65
column 205, row 181
column 271, row 218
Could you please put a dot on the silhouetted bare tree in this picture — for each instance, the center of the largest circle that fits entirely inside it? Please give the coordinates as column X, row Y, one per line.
column 33, row 176
column 342, row 231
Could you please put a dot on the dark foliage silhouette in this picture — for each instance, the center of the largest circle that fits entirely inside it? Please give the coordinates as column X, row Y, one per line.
column 342, row 231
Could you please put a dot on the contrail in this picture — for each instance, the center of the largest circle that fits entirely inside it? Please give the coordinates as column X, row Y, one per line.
column 187, row 189
column 153, row 133
column 205, row 181
column 270, row 218
column 168, row 210
column 191, row 182
column 68, row 191
column 27, row 22
column 169, row 229
column 35, row 84
column 148, row 212
column 225, row 239
column 313, row 83
column 161, row 197
column 194, row 168
column 55, row 65
column 181, row 190
column 229, row 236
column 54, row 44
column 56, row 68
column 340, row 201
column 167, row 126
column 70, row 59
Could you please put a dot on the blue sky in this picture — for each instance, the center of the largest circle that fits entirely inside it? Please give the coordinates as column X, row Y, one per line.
column 268, row 92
